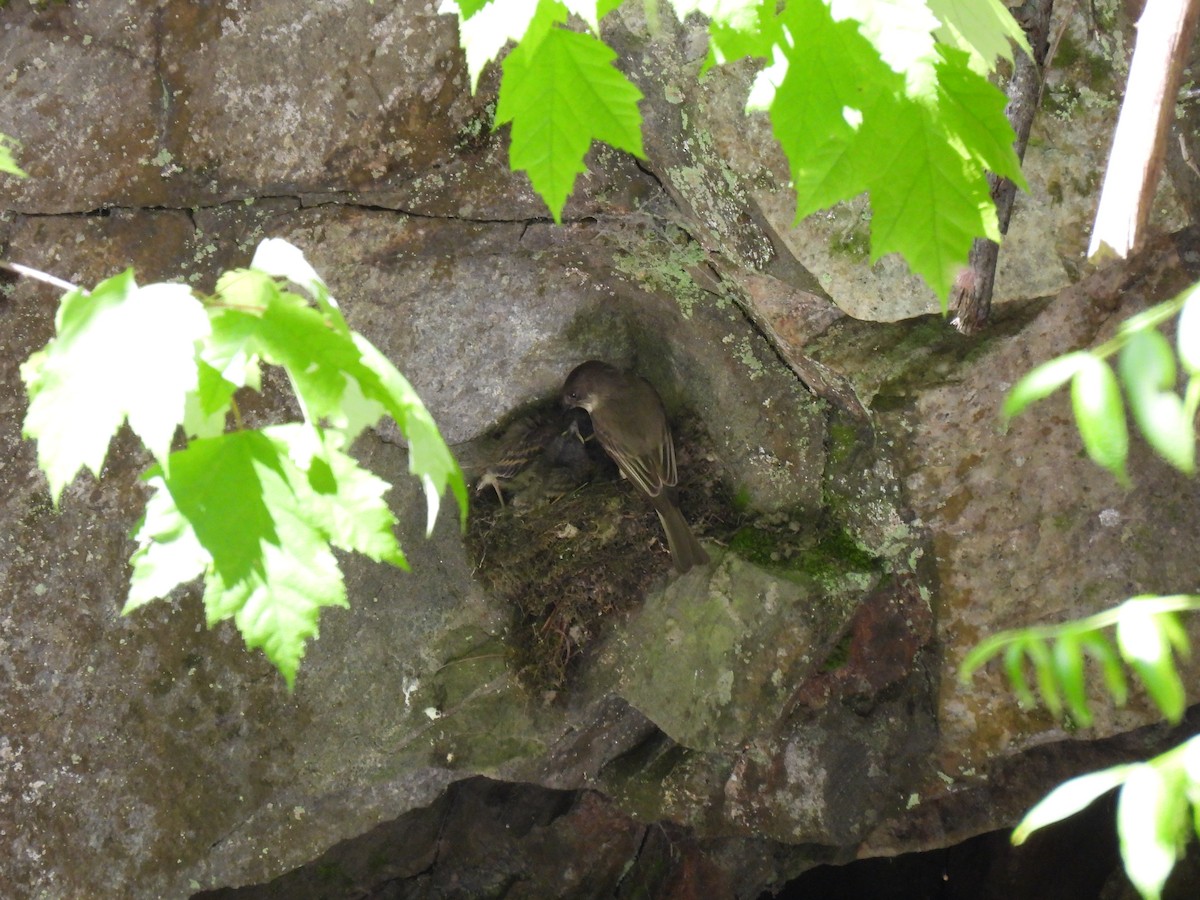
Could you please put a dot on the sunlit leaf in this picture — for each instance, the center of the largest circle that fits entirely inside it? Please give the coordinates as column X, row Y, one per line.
column 205, row 409
column 736, row 28
column 168, row 553
column 280, row 259
column 1188, row 336
column 1067, row 799
column 983, row 27
column 1150, row 816
column 1014, row 667
column 1043, row 381
column 1068, row 668
column 120, row 352
column 484, row 28
column 1146, row 647
column 339, row 497
column 1100, row 416
column 901, row 31
column 1147, row 368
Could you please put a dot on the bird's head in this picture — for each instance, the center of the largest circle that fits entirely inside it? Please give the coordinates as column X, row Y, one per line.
column 587, row 383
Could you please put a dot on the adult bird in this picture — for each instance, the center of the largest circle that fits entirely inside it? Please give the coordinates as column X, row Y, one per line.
column 631, row 425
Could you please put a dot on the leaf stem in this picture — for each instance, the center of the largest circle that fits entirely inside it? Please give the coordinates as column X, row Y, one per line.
column 1150, row 318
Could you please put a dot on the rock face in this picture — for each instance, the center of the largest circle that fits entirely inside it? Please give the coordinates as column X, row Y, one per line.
column 466, row 727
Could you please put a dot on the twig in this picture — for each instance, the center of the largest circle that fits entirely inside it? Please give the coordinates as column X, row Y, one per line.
column 971, row 295
column 19, row 269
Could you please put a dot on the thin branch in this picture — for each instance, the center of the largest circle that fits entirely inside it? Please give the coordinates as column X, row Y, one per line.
column 971, row 295
column 19, row 269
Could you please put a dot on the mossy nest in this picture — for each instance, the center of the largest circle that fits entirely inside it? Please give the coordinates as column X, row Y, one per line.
column 573, row 545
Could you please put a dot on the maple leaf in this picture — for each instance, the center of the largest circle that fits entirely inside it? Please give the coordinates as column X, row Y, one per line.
column 983, row 28
column 928, row 201
column 256, row 513
column 339, row 376
column 833, row 79
column 917, row 135
column 561, row 92
column 120, row 352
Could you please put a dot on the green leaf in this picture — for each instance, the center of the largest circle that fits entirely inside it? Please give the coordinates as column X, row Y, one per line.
column 560, row 95
column 901, row 31
column 323, row 361
column 168, row 553
column 1014, row 666
column 467, row 8
column 257, row 511
column 973, row 111
column 7, row 161
column 1043, row 381
column 1100, row 416
column 217, row 485
column 276, row 605
column 241, row 296
column 915, row 128
column 205, row 409
column 338, row 497
column 1068, row 670
column 279, row 259
column 984, row 28
column 1188, row 336
column 587, row 10
column 929, row 202
column 982, row 652
column 1043, row 667
column 1067, row 799
column 250, row 508
column 1191, row 399
column 119, row 352
column 1098, row 647
column 736, row 28
column 1145, row 645
column 1150, row 818
column 833, row 76
column 339, row 377
column 1152, row 317
column 1147, row 368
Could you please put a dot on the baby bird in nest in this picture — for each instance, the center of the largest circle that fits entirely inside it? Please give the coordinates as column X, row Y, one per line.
column 538, row 459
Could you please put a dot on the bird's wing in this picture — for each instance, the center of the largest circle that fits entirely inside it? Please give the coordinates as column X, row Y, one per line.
column 648, row 464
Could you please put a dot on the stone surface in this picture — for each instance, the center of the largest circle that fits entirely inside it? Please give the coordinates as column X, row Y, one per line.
column 795, row 703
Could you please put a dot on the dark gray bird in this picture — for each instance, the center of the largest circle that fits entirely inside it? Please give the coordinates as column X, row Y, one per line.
column 629, row 421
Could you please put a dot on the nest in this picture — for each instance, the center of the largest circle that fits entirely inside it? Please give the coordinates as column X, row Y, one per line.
column 568, row 543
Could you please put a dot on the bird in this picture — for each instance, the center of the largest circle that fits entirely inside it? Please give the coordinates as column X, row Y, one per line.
column 536, row 460
column 522, row 443
column 629, row 421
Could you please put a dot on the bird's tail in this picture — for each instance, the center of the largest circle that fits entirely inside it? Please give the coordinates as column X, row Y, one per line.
column 686, row 551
